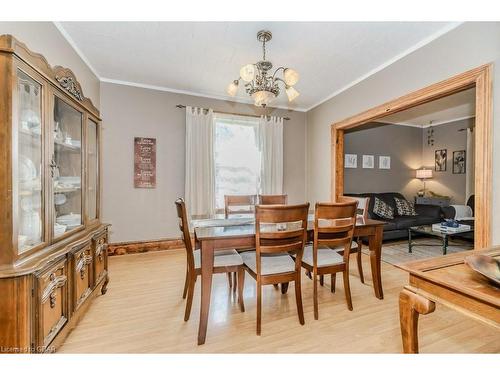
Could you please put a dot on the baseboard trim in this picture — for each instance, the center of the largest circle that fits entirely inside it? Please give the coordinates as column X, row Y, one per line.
column 134, row 247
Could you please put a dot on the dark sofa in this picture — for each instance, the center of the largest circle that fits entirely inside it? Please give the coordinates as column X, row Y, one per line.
column 398, row 227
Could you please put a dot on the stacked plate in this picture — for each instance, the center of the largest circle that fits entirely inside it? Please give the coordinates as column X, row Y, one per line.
column 59, row 229
column 70, row 220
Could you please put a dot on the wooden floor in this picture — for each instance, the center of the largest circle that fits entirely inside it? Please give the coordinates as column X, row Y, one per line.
column 143, row 313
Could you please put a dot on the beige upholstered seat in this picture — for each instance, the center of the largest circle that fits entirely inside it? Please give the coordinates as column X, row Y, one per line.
column 270, row 264
column 224, row 258
column 326, row 255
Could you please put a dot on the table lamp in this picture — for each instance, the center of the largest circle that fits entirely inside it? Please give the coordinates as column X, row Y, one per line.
column 423, row 174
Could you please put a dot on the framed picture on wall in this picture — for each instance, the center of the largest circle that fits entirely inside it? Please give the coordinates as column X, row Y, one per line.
column 459, row 162
column 351, row 161
column 384, row 162
column 368, row 161
column 440, row 160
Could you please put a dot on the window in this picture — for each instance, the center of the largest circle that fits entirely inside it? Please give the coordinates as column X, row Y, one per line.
column 237, row 157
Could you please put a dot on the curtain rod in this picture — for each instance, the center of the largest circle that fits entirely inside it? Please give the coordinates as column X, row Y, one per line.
column 232, row 113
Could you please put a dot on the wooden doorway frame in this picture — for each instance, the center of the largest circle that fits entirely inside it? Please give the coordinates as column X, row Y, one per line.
column 480, row 78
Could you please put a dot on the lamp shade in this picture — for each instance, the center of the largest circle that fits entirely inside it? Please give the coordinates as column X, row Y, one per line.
column 262, row 98
column 291, row 76
column 291, row 93
column 232, row 88
column 247, row 73
column 424, row 173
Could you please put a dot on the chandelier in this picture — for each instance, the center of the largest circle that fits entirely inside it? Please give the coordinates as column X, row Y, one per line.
column 260, row 84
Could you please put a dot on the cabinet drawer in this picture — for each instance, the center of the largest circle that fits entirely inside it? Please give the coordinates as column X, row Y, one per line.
column 82, row 274
column 52, row 310
column 100, row 252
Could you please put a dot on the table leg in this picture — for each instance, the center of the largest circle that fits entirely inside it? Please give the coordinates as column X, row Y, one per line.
column 409, row 241
column 375, row 245
column 411, row 305
column 445, row 244
column 207, row 264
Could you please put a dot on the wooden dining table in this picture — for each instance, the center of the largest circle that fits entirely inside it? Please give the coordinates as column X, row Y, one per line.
column 218, row 233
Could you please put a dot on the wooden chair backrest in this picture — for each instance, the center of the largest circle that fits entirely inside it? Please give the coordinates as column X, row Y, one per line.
column 184, row 228
column 363, row 204
column 272, row 239
column 239, row 201
column 273, row 199
column 334, row 225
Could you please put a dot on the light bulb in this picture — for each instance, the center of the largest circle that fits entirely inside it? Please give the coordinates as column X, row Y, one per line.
column 291, row 76
column 291, row 93
column 232, row 88
column 247, row 73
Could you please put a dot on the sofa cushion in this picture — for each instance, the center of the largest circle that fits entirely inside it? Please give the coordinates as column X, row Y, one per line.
column 405, row 222
column 382, row 209
column 404, row 207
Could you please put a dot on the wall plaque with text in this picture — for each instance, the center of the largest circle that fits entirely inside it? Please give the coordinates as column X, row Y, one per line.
column 144, row 162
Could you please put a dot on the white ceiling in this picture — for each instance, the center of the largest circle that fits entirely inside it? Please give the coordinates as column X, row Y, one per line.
column 201, row 58
column 450, row 108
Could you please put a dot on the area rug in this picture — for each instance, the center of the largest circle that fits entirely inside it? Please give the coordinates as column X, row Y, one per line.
column 396, row 252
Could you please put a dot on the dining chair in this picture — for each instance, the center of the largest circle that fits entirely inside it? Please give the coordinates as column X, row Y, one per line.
column 246, row 204
column 225, row 261
column 362, row 211
column 273, row 199
column 279, row 232
column 333, row 230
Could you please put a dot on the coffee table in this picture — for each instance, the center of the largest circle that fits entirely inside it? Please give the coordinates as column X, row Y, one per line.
column 428, row 231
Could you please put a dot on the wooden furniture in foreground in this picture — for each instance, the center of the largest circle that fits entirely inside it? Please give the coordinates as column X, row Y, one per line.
column 362, row 211
column 220, row 234
column 333, row 231
column 280, row 231
column 53, row 256
column 446, row 280
column 227, row 261
column 246, row 204
column 273, row 199
column 480, row 79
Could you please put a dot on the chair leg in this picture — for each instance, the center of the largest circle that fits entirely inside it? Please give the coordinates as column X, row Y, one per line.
column 230, row 280
column 189, row 301
column 298, row 299
column 315, row 294
column 333, row 282
column 360, row 263
column 308, row 274
column 241, row 283
column 235, row 282
column 259, row 307
column 321, row 280
column 186, row 284
column 276, row 286
column 347, row 289
column 284, row 288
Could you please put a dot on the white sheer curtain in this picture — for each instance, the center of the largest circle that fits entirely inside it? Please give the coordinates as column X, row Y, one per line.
column 270, row 135
column 469, row 164
column 200, row 181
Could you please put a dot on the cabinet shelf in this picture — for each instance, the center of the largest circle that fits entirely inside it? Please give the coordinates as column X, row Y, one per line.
column 67, row 147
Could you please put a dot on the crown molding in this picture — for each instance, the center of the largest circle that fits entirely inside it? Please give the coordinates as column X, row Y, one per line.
column 391, row 61
column 73, row 45
column 427, row 125
column 191, row 93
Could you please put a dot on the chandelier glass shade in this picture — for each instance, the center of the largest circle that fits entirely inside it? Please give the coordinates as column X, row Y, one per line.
column 262, row 85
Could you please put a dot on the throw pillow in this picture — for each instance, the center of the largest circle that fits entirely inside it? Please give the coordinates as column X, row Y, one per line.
column 382, row 209
column 404, row 207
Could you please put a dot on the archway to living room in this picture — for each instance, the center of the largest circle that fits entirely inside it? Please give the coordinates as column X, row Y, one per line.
column 433, row 158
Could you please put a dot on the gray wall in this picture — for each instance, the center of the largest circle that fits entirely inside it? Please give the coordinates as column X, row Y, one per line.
column 468, row 46
column 128, row 112
column 447, row 137
column 45, row 38
column 402, row 143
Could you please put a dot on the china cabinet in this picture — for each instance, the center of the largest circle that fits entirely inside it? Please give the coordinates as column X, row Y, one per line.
column 53, row 246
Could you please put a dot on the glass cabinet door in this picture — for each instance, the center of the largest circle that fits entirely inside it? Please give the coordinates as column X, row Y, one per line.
column 93, row 169
column 66, row 167
column 29, row 163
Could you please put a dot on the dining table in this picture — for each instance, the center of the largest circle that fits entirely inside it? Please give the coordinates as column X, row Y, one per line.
column 219, row 233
